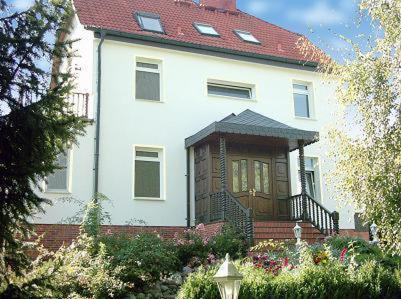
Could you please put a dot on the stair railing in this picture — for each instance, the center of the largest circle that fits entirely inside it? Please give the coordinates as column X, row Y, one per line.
column 310, row 210
column 224, row 206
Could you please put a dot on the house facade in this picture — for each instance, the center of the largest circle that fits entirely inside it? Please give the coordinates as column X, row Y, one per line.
column 201, row 113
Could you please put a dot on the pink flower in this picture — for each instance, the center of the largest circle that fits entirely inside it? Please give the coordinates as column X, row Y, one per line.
column 343, row 253
column 200, row 227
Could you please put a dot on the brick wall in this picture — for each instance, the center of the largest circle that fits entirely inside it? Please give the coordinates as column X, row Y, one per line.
column 354, row 233
column 56, row 235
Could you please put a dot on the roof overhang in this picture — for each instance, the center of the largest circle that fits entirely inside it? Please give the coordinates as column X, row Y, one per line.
column 162, row 40
column 276, row 130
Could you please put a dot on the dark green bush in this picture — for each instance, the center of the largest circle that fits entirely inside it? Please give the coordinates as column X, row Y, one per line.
column 145, row 257
column 332, row 280
column 228, row 241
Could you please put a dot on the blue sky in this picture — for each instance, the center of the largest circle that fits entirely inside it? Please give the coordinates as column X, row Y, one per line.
column 320, row 20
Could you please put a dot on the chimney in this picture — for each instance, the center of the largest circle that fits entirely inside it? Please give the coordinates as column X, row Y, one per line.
column 230, row 5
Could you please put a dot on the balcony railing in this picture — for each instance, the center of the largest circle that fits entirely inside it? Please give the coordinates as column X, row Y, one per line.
column 79, row 104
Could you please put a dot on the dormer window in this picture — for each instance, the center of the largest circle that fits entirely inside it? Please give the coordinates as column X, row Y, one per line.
column 246, row 36
column 149, row 22
column 206, row 29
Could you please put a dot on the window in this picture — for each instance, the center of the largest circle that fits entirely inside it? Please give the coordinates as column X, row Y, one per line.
column 240, row 175
column 310, row 173
column 301, row 100
column 206, row 29
column 149, row 22
column 246, row 36
column 147, row 81
column 148, row 173
column 58, row 180
column 229, row 91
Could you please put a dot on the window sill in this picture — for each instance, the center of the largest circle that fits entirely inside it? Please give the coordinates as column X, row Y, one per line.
column 60, row 192
column 151, row 101
column 232, row 98
column 149, row 199
column 305, row 118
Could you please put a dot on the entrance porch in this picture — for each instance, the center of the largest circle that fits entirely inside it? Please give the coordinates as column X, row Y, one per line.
column 242, row 174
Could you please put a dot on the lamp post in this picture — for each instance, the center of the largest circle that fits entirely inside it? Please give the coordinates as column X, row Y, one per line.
column 298, row 234
column 374, row 231
column 228, row 280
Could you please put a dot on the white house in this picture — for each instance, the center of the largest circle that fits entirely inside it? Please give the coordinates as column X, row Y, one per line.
column 201, row 113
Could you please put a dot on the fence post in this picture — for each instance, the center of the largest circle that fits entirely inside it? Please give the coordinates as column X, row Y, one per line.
column 336, row 220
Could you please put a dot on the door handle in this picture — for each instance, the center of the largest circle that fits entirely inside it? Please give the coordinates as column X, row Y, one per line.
column 252, row 192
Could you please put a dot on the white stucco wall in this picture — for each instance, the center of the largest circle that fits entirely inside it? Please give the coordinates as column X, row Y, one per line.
column 185, row 109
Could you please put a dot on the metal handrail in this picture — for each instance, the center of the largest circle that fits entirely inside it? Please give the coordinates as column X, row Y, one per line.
column 304, row 207
column 225, row 206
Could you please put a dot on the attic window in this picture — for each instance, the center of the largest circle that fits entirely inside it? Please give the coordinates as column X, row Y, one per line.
column 149, row 22
column 206, row 29
column 246, row 36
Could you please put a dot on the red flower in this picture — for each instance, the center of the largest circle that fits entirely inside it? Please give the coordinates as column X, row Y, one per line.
column 343, row 253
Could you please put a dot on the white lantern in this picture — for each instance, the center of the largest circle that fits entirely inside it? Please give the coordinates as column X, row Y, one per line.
column 228, row 280
column 298, row 234
column 374, row 231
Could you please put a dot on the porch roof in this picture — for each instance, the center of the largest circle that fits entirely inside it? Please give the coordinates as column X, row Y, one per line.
column 254, row 124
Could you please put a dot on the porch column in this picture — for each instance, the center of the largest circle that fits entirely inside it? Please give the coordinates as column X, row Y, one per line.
column 223, row 163
column 303, row 178
column 223, row 174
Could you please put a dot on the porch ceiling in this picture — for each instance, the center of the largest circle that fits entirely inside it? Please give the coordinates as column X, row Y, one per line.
column 254, row 124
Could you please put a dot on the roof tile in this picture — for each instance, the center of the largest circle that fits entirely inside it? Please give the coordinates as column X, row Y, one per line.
column 178, row 18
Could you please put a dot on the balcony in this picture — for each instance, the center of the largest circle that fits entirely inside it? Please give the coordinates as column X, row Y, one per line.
column 79, row 104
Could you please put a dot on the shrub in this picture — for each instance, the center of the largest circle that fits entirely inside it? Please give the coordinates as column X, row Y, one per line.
column 228, row 241
column 329, row 280
column 146, row 257
column 193, row 246
column 81, row 270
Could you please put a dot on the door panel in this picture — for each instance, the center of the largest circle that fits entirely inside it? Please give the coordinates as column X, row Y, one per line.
column 250, row 180
column 262, row 199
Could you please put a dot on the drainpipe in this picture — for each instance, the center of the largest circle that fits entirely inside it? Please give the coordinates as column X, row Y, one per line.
column 188, row 188
column 97, row 133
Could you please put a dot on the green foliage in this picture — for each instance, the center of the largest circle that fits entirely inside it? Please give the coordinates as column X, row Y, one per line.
column 368, row 164
column 35, row 122
column 228, row 241
column 146, row 257
column 81, row 270
column 332, row 279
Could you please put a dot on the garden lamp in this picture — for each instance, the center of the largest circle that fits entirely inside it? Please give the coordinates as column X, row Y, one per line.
column 298, row 234
column 228, row 280
column 374, row 231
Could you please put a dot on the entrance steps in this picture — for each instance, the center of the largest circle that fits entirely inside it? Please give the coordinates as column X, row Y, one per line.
column 283, row 230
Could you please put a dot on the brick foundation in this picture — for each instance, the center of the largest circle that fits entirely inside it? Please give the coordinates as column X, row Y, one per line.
column 354, row 233
column 56, row 235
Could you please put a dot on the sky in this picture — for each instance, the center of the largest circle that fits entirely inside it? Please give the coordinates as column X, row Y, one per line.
column 322, row 21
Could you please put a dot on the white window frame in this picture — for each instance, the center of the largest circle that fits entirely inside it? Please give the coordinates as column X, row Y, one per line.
column 197, row 26
column 309, row 93
column 68, row 177
column 232, row 85
column 140, row 14
column 239, row 33
column 161, row 158
column 316, row 177
column 156, row 71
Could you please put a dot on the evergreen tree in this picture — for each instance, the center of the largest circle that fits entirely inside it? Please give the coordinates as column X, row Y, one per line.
column 36, row 123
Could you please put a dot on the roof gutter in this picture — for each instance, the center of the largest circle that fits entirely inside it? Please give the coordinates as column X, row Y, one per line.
column 97, row 119
column 161, row 40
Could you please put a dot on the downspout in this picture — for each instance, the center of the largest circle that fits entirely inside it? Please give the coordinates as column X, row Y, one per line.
column 97, row 133
column 188, row 188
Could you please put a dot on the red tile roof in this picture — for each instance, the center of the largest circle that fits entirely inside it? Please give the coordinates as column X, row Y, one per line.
column 178, row 16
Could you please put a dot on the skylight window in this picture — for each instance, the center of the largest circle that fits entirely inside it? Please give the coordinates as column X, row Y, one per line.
column 247, row 36
column 149, row 22
column 206, row 29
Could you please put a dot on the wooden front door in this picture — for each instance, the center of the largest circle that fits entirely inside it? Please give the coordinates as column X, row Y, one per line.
column 250, row 180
